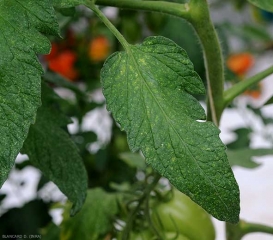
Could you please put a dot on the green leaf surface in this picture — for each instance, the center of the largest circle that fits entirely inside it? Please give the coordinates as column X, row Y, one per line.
column 134, row 160
column 263, row 4
column 95, row 219
column 269, row 101
column 60, row 81
column 67, row 3
column 21, row 26
column 51, row 232
column 149, row 91
column 248, row 32
column 242, row 140
column 243, row 157
column 50, row 149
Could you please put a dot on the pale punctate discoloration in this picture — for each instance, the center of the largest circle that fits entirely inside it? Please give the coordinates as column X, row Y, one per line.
column 149, row 91
column 21, row 28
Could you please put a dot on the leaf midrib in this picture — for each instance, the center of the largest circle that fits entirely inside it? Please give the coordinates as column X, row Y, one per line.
column 131, row 56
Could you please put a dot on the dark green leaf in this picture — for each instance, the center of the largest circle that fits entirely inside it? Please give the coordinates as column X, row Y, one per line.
column 258, row 112
column 243, row 139
column 26, row 220
column 263, row 4
column 50, row 149
column 67, row 3
column 60, row 81
column 148, row 89
column 51, row 232
column 21, row 25
column 243, row 157
column 2, row 197
column 269, row 101
column 42, row 182
column 68, row 12
column 22, row 165
column 95, row 219
column 188, row 41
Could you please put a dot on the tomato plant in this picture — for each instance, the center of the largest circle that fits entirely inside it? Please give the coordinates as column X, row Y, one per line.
column 99, row 48
column 240, row 63
column 142, row 62
column 182, row 215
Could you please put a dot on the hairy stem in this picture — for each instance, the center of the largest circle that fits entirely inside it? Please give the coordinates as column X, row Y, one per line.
column 110, row 26
column 200, row 19
column 176, row 9
column 236, row 232
column 146, row 194
column 197, row 13
column 240, row 87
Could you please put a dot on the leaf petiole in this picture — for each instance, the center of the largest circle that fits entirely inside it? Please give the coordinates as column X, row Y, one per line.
column 238, row 231
column 240, row 87
column 108, row 24
column 172, row 8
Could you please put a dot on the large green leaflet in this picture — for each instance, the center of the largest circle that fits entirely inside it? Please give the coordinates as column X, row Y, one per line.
column 263, row 4
column 67, row 3
column 149, row 90
column 51, row 150
column 21, row 25
column 95, row 219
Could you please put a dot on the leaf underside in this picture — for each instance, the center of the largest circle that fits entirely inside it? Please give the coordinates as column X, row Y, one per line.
column 51, row 150
column 22, row 24
column 149, row 90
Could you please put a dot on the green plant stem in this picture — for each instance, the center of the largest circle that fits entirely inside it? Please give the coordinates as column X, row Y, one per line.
column 197, row 13
column 240, row 87
column 146, row 194
column 175, row 9
column 148, row 216
column 236, row 232
column 110, row 26
column 200, row 19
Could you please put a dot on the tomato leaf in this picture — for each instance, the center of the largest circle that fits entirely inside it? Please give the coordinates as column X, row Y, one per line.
column 263, row 4
column 21, row 25
column 269, row 101
column 51, row 150
column 67, row 3
column 149, row 90
column 95, row 219
column 243, row 157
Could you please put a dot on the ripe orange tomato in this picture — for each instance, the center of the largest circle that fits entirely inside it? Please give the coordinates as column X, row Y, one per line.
column 99, row 48
column 63, row 64
column 240, row 63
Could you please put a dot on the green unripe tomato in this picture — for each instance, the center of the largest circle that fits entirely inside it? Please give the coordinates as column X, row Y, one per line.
column 171, row 235
column 148, row 235
column 183, row 215
column 143, row 235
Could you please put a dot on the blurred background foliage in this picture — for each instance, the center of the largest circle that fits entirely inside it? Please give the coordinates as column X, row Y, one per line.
column 73, row 70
